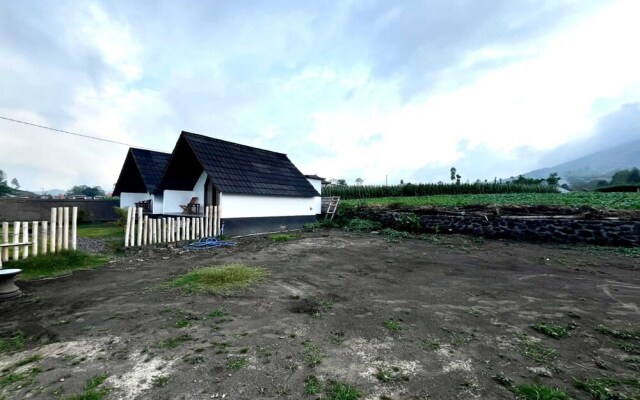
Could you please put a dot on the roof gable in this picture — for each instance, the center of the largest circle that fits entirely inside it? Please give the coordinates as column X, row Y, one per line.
column 236, row 168
column 141, row 172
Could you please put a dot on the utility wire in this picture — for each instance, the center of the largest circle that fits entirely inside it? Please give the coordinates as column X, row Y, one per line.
column 75, row 134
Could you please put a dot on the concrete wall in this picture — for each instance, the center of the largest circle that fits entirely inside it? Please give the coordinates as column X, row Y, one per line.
column 12, row 209
column 569, row 230
column 245, row 206
column 172, row 199
column 128, row 199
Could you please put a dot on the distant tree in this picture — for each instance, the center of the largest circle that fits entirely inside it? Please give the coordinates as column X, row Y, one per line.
column 523, row 180
column 4, row 188
column 458, row 177
column 453, row 173
column 626, row 177
column 359, row 181
column 84, row 190
column 402, row 181
column 15, row 183
column 566, row 187
column 341, row 182
column 553, row 179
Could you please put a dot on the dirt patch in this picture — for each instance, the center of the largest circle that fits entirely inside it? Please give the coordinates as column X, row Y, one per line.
column 462, row 312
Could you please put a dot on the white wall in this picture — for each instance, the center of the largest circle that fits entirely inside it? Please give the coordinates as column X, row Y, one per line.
column 128, row 199
column 317, row 185
column 174, row 198
column 244, row 206
column 157, row 203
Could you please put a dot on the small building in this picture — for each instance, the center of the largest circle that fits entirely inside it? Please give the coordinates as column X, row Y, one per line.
column 139, row 178
column 317, row 182
column 255, row 190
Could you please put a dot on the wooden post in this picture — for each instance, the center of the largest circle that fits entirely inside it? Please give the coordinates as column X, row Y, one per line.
column 218, row 220
column 25, row 239
column 215, row 221
column 133, row 226
column 164, row 230
column 65, row 238
column 139, row 241
column 45, row 237
column 196, row 227
column 206, row 221
column 126, row 228
column 169, row 230
column 34, row 238
column 54, row 223
column 145, row 232
column 59, row 230
column 16, row 240
column 154, row 225
column 5, row 240
column 74, row 228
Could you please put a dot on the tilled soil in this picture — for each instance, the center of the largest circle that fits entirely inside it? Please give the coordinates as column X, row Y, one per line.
column 462, row 310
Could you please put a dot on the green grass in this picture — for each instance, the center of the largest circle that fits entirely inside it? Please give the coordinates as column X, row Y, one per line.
column 23, row 378
column 175, row 341
column 312, row 353
column 312, row 385
column 624, row 201
column 181, row 323
column 12, row 343
column 342, row 391
column 361, row 225
column 603, row 388
column 217, row 313
column 160, row 380
column 282, row 237
column 237, row 363
column 632, row 334
column 95, row 381
column 393, row 325
column 220, row 279
column 554, row 331
column 100, row 230
column 536, row 351
column 61, row 263
column 539, row 392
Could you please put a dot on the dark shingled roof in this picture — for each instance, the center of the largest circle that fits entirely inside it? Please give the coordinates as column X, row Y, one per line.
column 235, row 168
column 142, row 171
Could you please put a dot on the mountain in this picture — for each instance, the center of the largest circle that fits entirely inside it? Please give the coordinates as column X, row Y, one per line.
column 599, row 165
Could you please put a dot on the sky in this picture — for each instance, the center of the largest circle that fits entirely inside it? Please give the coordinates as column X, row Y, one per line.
column 379, row 90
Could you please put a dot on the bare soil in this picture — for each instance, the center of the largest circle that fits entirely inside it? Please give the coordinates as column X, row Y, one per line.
column 462, row 306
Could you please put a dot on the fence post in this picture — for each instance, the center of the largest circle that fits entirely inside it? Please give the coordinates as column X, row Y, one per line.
column 45, row 237
column 133, row 226
column 59, row 231
column 25, row 239
column 145, row 231
column 4, row 255
column 74, row 228
column 54, row 223
column 139, row 241
column 65, row 238
column 215, row 221
column 126, row 228
column 34, row 238
column 16, row 240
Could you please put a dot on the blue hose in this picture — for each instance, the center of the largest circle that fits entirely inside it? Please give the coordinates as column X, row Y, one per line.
column 206, row 242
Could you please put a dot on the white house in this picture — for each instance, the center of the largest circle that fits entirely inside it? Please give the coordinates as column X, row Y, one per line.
column 256, row 190
column 139, row 177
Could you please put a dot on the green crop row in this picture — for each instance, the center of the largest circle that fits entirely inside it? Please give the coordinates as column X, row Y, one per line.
column 620, row 201
column 431, row 189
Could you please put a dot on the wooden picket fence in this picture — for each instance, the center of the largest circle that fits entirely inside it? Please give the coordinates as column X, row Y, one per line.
column 44, row 236
column 141, row 230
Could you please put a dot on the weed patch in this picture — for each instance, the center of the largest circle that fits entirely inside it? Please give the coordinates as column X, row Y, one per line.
column 312, row 353
column 282, row 237
column 603, row 388
column 312, row 385
column 219, row 280
column 536, row 351
column 619, row 333
column 323, row 223
column 394, row 236
column 217, row 313
column 160, row 380
column 553, row 331
column 539, row 392
column 361, row 225
column 61, row 263
column 393, row 325
column 237, row 363
column 342, row 391
column 390, row 375
column 12, row 343
column 175, row 341
column 23, row 378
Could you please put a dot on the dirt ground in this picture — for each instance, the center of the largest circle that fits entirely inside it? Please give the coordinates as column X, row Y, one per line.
column 461, row 308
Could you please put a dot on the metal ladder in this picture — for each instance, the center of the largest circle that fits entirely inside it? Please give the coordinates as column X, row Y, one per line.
column 333, row 206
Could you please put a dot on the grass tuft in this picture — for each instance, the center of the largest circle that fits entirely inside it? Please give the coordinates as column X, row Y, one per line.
column 237, row 363
column 539, row 392
column 619, row 333
column 219, row 280
column 536, row 351
column 393, row 325
column 95, row 381
column 61, row 263
column 554, row 331
column 312, row 353
column 12, row 343
column 282, row 237
column 342, row 391
column 361, row 225
column 312, row 385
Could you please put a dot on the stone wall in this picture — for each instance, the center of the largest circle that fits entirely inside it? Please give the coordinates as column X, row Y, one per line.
column 537, row 229
column 12, row 209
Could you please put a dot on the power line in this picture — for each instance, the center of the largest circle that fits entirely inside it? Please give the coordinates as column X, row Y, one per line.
column 73, row 133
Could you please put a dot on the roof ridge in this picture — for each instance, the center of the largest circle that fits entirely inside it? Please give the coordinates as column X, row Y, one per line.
column 230, row 142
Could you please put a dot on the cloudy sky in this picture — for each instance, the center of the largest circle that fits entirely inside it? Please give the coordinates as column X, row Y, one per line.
column 348, row 89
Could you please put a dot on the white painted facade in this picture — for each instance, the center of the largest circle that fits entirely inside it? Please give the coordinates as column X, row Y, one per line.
column 247, row 206
column 128, row 199
column 317, row 185
column 174, row 198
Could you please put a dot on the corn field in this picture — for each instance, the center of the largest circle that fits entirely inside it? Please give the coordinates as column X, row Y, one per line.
column 429, row 189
